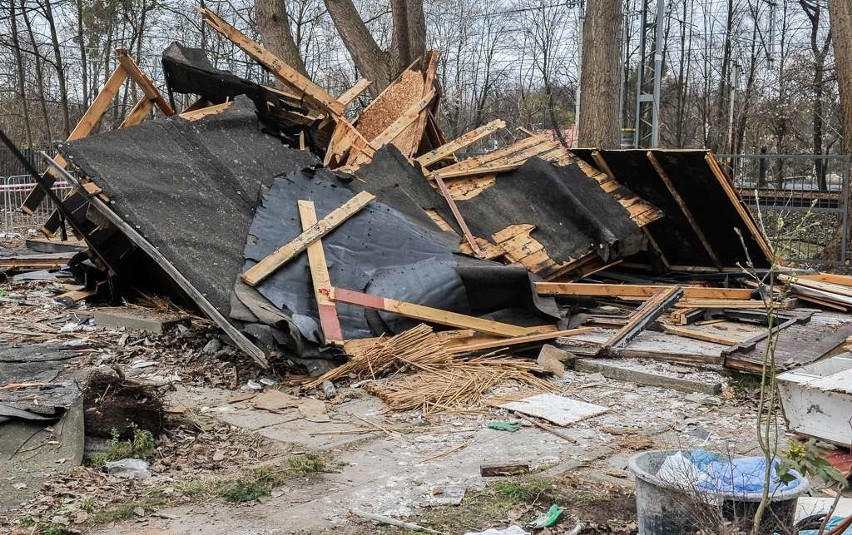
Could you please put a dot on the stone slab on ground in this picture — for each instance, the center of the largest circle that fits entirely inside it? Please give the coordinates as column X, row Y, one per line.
column 650, row 374
column 138, row 319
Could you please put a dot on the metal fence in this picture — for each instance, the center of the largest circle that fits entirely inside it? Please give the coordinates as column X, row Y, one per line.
column 13, row 191
column 800, row 200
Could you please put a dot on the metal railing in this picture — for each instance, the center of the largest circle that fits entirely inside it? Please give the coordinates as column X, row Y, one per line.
column 800, row 199
column 13, row 191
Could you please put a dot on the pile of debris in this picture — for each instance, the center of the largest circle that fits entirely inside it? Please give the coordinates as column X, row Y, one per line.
column 217, row 204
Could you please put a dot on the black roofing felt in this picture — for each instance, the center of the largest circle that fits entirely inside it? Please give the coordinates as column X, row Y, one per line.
column 570, row 211
column 190, row 187
column 379, row 250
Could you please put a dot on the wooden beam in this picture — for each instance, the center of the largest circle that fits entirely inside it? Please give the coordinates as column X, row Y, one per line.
column 842, row 280
column 487, row 345
column 643, row 316
column 320, row 279
column 143, row 81
column 430, row 70
column 484, row 170
column 484, row 159
column 468, row 235
column 352, row 93
column 83, row 128
column 134, row 236
column 725, row 182
column 346, row 138
column 684, row 208
column 200, row 113
column 403, row 121
column 700, row 335
column 829, row 287
column 429, row 314
column 636, row 291
column 287, row 252
column 753, row 304
column 139, row 112
column 459, row 143
column 313, row 93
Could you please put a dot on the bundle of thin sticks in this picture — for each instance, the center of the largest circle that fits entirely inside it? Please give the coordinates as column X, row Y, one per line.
column 457, row 385
column 418, row 347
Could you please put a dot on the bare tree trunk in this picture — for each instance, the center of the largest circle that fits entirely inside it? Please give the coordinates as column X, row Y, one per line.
column 599, row 82
column 841, row 31
column 39, row 74
column 407, row 44
column 60, row 67
column 814, row 13
column 273, row 24
column 19, row 61
column 84, row 63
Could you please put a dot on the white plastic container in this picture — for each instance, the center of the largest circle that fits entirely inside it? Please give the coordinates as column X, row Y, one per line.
column 817, row 399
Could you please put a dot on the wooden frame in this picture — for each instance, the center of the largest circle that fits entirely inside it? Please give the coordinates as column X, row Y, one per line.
column 329, row 321
column 684, row 208
column 266, row 267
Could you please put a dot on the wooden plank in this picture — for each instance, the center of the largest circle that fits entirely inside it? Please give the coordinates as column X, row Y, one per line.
column 725, row 182
column 828, row 287
column 143, row 81
column 483, row 159
column 287, row 252
column 459, row 143
column 430, row 72
column 83, row 128
column 633, row 291
column 200, row 113
column 516, row 341
column 429, row 314
column 133, row 235
column 346, row 138
column 313, row 93
column 484, row 170
column 352, row 93
column 139, row 112
column 753, row 304
column 320, row 278
column 701, row 335
column 842, row 280
column 647, row 313
column 684, row 208
column 471, row 240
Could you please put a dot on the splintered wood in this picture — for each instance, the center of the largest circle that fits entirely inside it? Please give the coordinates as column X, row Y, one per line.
column 440, row 382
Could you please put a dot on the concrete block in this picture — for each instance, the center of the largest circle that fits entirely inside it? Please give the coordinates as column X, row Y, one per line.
column 646, row 377
column 137, row 319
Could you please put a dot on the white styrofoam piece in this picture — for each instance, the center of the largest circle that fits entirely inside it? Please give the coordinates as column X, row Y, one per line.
column 553, row 408
column 817, row 399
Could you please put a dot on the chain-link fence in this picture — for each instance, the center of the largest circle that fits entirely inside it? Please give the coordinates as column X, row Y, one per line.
column 800, row 201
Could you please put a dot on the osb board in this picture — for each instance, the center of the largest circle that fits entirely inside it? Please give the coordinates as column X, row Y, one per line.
column 403, row 93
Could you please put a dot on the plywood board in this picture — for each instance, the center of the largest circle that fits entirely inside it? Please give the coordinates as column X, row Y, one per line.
column 554, row 408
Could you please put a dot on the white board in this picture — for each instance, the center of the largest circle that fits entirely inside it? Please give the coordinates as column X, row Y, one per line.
column 553, row 408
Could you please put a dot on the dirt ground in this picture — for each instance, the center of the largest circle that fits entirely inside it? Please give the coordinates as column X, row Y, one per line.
column 226, row 466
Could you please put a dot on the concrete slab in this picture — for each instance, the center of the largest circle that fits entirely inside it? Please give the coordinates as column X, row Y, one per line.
column 650, row 374
column 138, row 319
